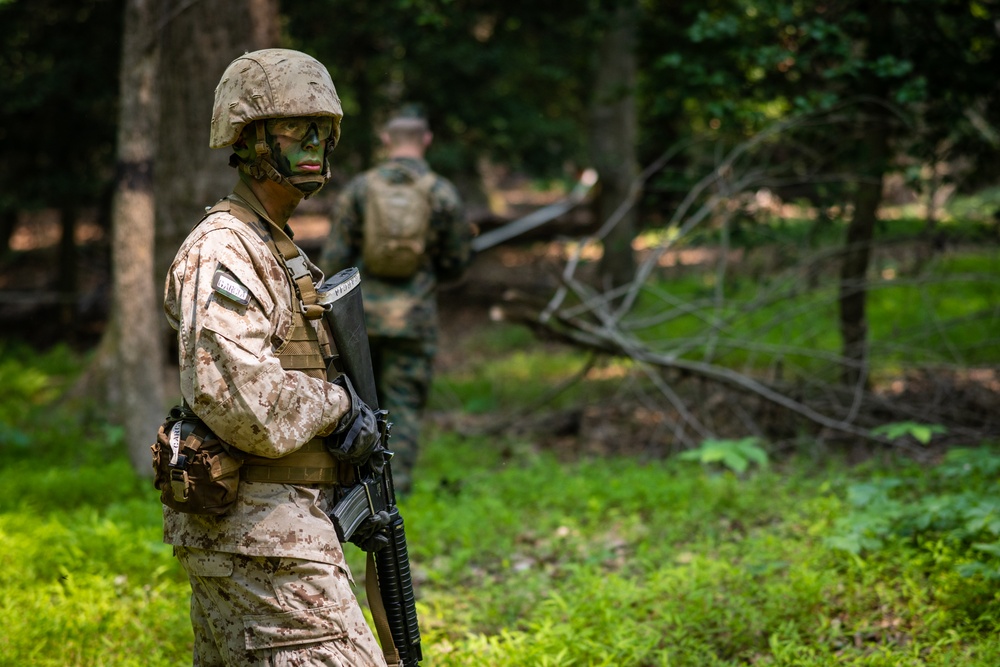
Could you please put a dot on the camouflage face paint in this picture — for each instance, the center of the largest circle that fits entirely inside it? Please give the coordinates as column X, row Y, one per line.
column 302, row 156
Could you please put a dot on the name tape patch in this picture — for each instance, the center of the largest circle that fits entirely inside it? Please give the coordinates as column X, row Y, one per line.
column 229, row 287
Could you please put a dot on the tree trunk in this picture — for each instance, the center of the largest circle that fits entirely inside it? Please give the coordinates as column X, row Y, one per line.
column 854, row 269
column 8, row 223
column 199, row 40
column 613, row 140
column 872, row 159
column 363, row 124
column 197, row 48
column 131, row 337
column 931, row 236
column 67, row 284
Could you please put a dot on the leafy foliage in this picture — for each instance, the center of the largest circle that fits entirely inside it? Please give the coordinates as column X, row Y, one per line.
column 58, row 100
column 496, row 79
column 952, row 506
column 734, row 66
column 513, row 83
column 737, row 455
column 922, row 433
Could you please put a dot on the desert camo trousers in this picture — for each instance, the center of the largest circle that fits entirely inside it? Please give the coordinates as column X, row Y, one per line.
column 274, row 612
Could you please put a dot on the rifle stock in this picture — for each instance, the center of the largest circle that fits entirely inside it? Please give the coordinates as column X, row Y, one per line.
column 340, row 295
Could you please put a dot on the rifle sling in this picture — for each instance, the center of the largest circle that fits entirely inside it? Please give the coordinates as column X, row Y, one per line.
column 378, row 613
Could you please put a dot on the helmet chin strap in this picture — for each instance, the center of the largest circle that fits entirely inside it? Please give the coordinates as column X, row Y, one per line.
column 261, row 167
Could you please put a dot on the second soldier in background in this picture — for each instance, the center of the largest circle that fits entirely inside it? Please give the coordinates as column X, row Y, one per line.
column 404, row 227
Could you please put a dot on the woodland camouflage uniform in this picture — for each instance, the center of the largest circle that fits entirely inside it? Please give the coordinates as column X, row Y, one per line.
column 402, row 314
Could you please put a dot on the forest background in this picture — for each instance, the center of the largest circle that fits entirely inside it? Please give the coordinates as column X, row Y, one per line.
column 788, row 264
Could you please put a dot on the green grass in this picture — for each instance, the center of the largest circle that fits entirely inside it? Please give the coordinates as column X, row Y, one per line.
column 616, row 563
column 980, row 207
column 506, row 368
column 965, row 219
column 947, row 314
column 520, row 559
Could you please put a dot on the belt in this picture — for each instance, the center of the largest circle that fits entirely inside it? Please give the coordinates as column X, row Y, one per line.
column 311, row 464
column 290, row 475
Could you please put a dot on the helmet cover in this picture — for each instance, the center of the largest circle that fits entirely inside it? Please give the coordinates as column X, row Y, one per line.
column 272, row 83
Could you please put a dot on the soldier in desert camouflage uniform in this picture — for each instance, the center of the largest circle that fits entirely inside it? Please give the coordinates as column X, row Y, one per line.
column 401, row 313
column 269, row 582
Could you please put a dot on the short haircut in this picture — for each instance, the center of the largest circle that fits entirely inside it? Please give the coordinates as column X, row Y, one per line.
column 406, row 129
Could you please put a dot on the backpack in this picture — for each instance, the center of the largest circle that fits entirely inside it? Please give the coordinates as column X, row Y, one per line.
column 397, row 218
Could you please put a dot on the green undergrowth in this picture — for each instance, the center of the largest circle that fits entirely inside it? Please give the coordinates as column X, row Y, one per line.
column 520, row 559
column 966, row 219
column 945, row 315
column 505, row 369
column 612, row 562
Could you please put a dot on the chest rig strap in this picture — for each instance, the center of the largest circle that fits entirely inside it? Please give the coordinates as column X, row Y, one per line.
column 287, row 253
column 303, row 350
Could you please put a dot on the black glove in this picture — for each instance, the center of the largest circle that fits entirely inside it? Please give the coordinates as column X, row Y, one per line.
column 358, row 435
column 371, row 535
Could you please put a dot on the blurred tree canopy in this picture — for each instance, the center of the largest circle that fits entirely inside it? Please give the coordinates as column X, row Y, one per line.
column 726, row 68
column 511, row 81
column 58, row 100
column 498, row 79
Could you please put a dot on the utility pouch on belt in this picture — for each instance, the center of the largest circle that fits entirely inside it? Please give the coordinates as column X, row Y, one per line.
column 194, row 471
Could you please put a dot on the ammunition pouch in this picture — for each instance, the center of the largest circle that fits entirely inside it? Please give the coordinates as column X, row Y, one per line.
column 194, row 471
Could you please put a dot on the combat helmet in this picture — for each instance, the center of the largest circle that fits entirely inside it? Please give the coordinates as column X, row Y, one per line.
column 273, row 83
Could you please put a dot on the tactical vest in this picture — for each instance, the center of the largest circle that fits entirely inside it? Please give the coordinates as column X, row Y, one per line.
column 303, row 351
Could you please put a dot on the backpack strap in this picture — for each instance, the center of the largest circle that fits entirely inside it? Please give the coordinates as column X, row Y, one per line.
column 425, row 183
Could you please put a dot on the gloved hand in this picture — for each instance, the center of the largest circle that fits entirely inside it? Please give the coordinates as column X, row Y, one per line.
column 370, row 535
column 358, row 434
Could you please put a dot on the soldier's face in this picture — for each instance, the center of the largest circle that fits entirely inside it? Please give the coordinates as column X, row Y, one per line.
column 298, row 144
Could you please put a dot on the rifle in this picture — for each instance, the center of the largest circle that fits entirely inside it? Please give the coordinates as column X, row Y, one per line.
column 340, row 296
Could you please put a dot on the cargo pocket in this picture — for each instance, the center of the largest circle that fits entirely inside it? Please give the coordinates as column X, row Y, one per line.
column 202, row 563
column 293, row 628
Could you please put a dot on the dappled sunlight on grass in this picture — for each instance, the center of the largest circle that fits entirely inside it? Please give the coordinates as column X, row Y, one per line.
column 524, row 555
column 503, row 371
column 949, row 314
